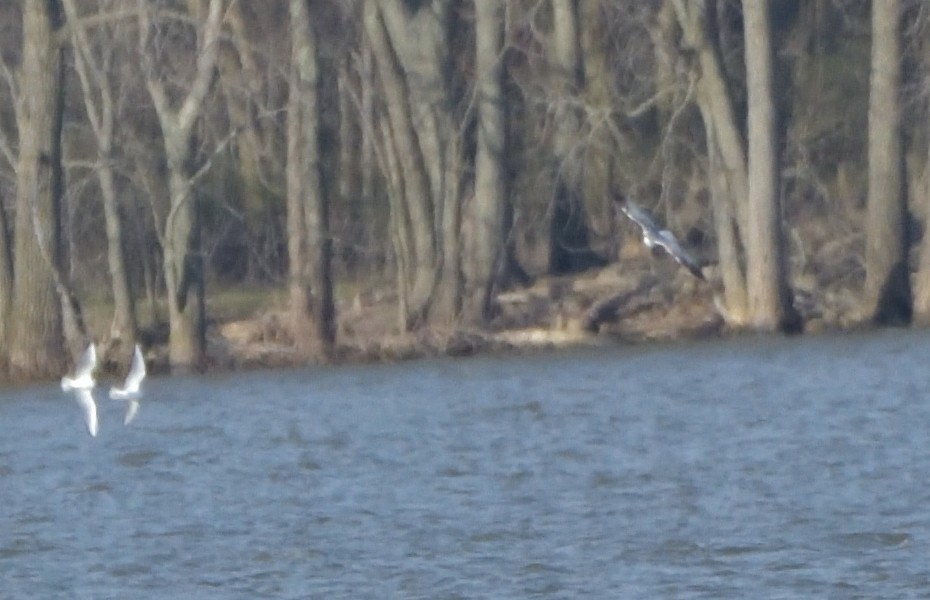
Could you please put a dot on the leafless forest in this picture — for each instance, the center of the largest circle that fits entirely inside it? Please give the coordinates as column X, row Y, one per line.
column 156, row 152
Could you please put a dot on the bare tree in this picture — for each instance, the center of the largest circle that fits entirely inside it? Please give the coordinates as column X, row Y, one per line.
column 6, row 281
column 97, row 87
column 421, row 154
column 569, row 247
column 922, row 277
column 308, row 194
column 35, row 326
column 248, row 72
column 887, row 293
column 183, row 260
column 725, row 148
column 487, row 215
column 769, row 298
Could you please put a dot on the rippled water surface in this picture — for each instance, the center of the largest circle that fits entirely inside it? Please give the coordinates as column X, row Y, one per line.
column 751, row 468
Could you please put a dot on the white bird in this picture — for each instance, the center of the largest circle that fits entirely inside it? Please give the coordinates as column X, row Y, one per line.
column 131, row 390
column 85, row 399
column 83, row 372
column 653, row 236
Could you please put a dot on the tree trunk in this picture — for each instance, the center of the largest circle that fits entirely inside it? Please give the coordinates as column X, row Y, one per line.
column 769, row 299
column 95, row 84
column 184, row 265
column 600, row 159
column 242, row 82
column 487, row 248
column 183, row 259
column 410, row 47
column 413, row 218
column 36, row 348
column 726, row 151
column 922, row 278
column 887, row 281
column 569, row 249
column 735, row 298
column 664, row 42
column 6, row 282
column 309, row 239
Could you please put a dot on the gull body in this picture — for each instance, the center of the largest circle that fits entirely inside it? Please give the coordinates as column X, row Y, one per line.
column 132, row 388
column 83, row 372
column 663, row 238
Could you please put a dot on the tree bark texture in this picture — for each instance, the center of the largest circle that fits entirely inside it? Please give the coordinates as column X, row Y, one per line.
column 569, row 246
column 98, row 103
column 411, row 53
column 488, row 245
column 6, row 282
column 769, row 299
column 309, row 239
column 726, row 150
column 183, row 259
column 922, row 278
column 887, row 292
column 36, row 347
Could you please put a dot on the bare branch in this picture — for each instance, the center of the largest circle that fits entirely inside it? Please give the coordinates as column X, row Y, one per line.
column 206, row 64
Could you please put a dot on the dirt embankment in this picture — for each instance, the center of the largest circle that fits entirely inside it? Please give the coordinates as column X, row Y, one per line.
column 642, row 298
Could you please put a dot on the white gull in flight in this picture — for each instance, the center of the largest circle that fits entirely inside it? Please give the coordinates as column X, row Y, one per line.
column 131, row 390
column 82, row 384
column 653, row 236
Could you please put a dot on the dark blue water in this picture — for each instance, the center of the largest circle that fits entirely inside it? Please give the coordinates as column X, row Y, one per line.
column 777, row 468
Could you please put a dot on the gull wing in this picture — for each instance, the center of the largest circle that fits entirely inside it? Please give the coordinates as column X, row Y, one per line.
column 85, row 400
column 136, row 371
column 652, row 235
column 640, row 217
column 132, row 408
column 88, row 361
column 673, row 247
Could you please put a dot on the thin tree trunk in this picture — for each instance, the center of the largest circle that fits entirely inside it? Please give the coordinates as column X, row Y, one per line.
column 410, row 47
column 569, row 248
column 735, row 298
column 419, row 39
column 241, row 81
column 769, row 299
column 36, row 346
column 96, row 84
column 887, row 281
column 600, row 158
column 487, row 249
column 726, row 151
column 183, row 260
column 665, row 48
column 421, row 247
column 922, row 278
column 309, row 240
column 6, row 281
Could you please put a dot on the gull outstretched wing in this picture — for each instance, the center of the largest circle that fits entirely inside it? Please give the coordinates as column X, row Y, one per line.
column 85, row 400
column 653, row 236
column 87, row 363
column 681, row 256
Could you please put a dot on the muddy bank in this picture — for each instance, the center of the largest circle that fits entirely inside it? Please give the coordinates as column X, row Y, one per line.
column 644, row 300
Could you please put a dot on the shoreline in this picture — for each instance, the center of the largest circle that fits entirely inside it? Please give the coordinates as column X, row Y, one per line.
column 612, row 306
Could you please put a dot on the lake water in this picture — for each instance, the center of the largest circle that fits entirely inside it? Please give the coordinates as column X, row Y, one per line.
column 752, row 468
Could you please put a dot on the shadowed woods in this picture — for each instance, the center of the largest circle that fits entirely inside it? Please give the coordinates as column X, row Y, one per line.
column 387, row 178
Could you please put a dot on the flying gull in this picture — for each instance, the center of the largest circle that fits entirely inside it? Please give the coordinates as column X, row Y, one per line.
column 82, row 384
column 653, row 236
column 83, row 372
column 131, row 390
